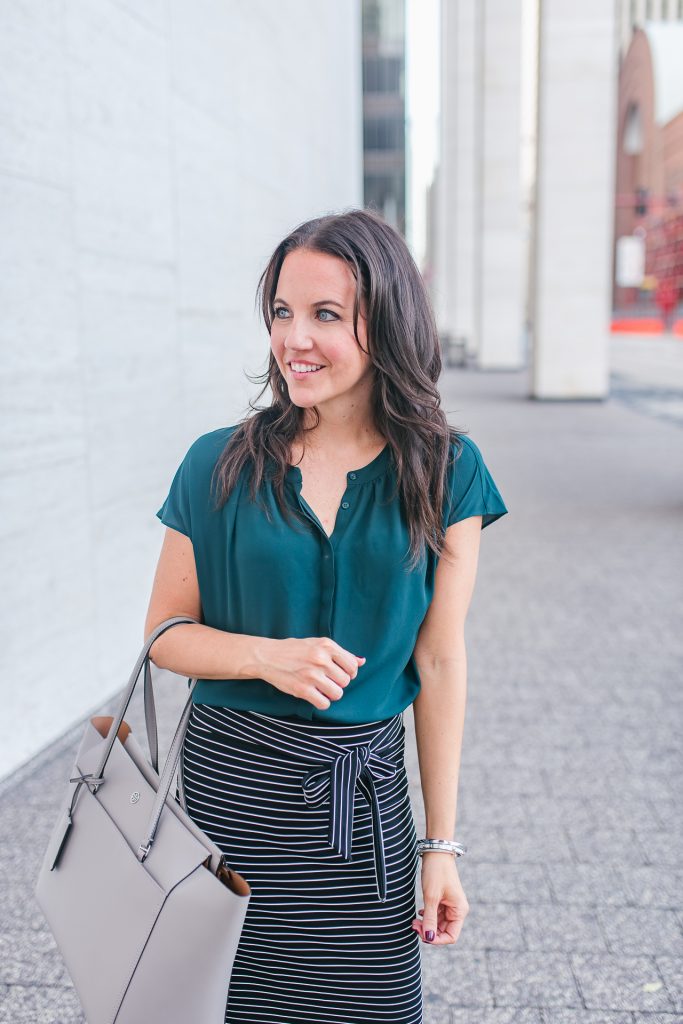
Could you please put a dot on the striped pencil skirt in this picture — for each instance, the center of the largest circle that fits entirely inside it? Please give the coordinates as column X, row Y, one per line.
column 317, row 817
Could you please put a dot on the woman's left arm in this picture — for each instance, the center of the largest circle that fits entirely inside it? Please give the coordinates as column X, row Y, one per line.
column 439, row 715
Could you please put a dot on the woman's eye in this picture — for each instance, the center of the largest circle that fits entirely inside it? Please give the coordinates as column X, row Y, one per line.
column 281, row 309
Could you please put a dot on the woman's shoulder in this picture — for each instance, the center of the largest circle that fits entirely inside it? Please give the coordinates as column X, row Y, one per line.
column 208, row 446
column 463, row 451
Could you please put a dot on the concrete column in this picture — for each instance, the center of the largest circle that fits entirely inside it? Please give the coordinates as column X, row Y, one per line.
column 571, row 271
column 500, row 262
column 457, row 191
column 480, row 252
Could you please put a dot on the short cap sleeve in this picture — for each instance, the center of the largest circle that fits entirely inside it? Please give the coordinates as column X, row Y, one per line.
column 188, row 504
column 176, row 509
column 471, row 488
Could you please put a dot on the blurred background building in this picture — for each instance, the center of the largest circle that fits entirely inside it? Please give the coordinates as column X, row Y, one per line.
column 556, row 210
column 523, row 207
column 648, row 270
column 634, row 13
column 384, row 109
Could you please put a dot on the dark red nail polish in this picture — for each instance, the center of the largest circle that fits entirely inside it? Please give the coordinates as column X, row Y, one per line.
column 429, row 936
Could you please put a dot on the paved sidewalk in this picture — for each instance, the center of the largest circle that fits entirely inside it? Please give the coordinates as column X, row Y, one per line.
column 647, row 374
column 572, row 772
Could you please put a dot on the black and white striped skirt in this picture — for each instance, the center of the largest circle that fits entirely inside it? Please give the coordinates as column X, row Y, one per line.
column 317, row 817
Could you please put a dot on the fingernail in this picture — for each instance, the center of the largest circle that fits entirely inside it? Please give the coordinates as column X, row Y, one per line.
column 429, row 936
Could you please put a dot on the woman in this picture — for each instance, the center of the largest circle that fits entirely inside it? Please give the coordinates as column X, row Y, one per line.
column 308, row 542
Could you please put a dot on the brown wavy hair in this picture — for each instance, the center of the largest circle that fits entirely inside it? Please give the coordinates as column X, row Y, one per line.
column 405, row 352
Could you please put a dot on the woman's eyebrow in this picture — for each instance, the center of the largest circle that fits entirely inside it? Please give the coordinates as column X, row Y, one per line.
column 320, row 302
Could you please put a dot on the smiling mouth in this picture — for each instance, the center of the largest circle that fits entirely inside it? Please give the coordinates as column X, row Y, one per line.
column 304, row 373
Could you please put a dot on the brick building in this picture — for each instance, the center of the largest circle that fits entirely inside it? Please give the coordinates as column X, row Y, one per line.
column 649, row 159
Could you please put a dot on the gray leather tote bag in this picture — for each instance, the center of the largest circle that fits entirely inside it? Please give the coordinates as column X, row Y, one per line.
column 145, row 910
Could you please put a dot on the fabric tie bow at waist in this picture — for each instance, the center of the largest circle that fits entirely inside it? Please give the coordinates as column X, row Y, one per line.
column 337, row 773
column 358, row 765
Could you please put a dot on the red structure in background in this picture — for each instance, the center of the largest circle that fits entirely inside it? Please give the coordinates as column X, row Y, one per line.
column 664, row 261
column 649, row 176
column 662, row 229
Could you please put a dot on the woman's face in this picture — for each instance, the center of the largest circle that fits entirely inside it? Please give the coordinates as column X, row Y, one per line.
column 313, row 324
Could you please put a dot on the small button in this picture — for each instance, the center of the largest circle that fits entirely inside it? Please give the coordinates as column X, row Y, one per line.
column 352, row 476
column 326, row 555
column 345, row 504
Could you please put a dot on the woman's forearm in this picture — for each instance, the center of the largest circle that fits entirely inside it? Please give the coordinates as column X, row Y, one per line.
column 202, row 652
column 439, row 715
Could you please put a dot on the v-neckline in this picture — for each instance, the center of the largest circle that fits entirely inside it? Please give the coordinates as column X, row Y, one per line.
column 354, row 477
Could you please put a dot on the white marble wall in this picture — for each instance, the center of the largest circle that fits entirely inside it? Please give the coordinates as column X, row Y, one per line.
column 151, row 155
column 571, row 281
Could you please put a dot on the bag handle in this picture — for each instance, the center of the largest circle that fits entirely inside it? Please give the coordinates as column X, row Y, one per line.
column 152, row 732
column 130, row 687
column 166, row 779
column 95, row 779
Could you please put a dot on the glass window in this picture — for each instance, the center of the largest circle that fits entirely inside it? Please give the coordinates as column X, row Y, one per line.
column 384, row 133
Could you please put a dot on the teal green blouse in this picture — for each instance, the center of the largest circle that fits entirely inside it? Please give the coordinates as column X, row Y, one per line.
column 284, row 580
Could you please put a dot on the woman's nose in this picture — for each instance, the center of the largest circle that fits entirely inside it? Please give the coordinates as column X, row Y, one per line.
column 298, row 336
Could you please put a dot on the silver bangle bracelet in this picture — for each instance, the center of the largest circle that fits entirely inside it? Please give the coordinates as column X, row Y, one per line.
column 441, row 846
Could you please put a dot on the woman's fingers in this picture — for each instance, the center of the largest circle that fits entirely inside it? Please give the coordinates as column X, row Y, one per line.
column 448, row 926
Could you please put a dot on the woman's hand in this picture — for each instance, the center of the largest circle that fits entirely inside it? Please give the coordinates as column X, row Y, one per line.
column 446, row 905
column 314, row 668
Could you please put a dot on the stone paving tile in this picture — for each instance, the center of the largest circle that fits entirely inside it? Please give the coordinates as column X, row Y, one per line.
column 655, row 885
column 538, row 844
column 485, row 842
column 570, row 811
column 24, row 954
column 561, row 1015
column 617, row 810
column 20, row 911
column 588, row 884
column 507, row 812
column 658, row 1018
column 633, row 930
column 456, row 977
column 527, row 779
column 621, row 982
column 667, row 810
column 19, row 864
column 436, row 1011
column 40, row 1004
column 561, row 929
column 595, row 844
column 492, row 926
column 507, row 883
column 671, row 969
column 533, row 979
column 497, row 1015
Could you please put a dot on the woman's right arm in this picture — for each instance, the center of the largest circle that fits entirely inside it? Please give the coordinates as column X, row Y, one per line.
column 315, row 669
column 195, row 651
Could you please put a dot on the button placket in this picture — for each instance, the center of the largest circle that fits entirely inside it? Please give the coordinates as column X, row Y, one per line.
column 327, row 588
column 355, row 477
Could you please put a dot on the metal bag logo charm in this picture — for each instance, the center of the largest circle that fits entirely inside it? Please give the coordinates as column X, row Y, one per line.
column 134, row 797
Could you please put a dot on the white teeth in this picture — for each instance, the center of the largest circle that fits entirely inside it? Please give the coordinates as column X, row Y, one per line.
column 304, row 367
